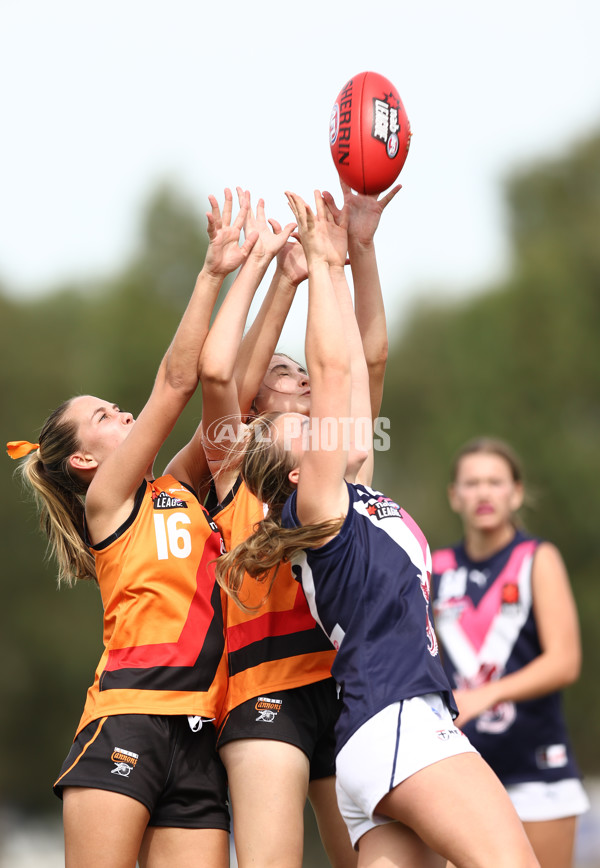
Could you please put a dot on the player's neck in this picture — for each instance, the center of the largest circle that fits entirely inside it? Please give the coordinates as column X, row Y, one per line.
column 482, row 544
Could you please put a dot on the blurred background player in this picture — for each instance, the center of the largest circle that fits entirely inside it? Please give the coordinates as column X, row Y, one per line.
column 508, row 627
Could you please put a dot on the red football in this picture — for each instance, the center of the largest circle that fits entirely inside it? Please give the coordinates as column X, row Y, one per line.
column 369, row 133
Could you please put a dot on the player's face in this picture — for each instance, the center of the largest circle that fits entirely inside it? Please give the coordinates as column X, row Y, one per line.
column 101, row 426
column 285, row 388
column 484, row 494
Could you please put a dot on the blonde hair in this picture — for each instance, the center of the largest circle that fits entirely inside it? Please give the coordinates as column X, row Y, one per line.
column 59, row 495
column 265, row 470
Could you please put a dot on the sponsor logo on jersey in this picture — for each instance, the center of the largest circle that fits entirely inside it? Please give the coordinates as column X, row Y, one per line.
column 447, row 734
column 551, row 756
column 268, row 708
column 384, row 507
column 168, row 501
column 125, row 761
column 478, row 577
column 453, row 585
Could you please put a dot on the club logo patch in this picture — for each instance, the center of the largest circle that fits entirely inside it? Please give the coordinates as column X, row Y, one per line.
column 125, row 761
column 268, row 709
column 510, row 598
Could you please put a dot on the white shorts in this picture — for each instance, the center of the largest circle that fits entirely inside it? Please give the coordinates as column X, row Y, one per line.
column 536, row 801
column 392, row 745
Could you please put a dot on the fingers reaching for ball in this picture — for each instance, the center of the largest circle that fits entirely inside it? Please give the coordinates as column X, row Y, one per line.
column 296, row 203
column 225, row 253
column 312, row 226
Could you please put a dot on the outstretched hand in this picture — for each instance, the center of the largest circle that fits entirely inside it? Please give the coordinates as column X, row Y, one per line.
column 312, row 227
column 291, row 259
column 224, row 252
column 332, row 227
column 363, row 212
column 337, row 231
column 271, row 237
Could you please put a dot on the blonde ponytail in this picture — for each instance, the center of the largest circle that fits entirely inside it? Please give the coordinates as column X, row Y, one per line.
column 59, row 496
column 265, row 470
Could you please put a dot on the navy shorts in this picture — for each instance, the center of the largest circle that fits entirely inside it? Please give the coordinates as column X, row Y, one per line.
column 303, row 716
column 158, row 760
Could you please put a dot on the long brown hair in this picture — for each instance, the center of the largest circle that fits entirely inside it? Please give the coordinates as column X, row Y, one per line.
column 265, row 470
column 59, row 496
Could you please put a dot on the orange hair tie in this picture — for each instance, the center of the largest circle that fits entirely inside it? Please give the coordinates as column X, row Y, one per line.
column 20, row 448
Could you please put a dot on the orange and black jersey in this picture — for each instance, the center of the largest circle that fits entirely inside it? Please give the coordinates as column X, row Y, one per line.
column 163, row 611
column 279, row 646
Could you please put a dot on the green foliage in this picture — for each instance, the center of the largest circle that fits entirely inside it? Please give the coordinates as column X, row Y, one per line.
column 519, row 361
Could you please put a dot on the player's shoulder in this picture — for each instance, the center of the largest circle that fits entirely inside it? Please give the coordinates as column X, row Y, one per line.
column 443, row 559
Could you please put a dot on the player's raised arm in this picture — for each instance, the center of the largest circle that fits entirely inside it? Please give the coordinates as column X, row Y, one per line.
column 260, row 341
column 361, row 214
column 221, row 413
column 324, row 453
column 117, row 475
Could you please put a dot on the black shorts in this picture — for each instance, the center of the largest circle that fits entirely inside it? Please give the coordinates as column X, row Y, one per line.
column 158, row 760
column 304, row 716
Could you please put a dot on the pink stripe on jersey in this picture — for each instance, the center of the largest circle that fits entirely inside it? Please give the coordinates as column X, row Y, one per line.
column 416, row 531
column 476, row 621
column 444, row 559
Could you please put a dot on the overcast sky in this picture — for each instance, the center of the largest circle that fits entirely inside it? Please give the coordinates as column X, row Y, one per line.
column 100, row 101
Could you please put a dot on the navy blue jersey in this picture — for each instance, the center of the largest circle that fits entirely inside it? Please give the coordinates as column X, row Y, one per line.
column 368, row 588
column 486, row 627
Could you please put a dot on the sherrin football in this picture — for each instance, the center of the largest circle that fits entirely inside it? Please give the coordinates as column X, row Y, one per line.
column 369, row 133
